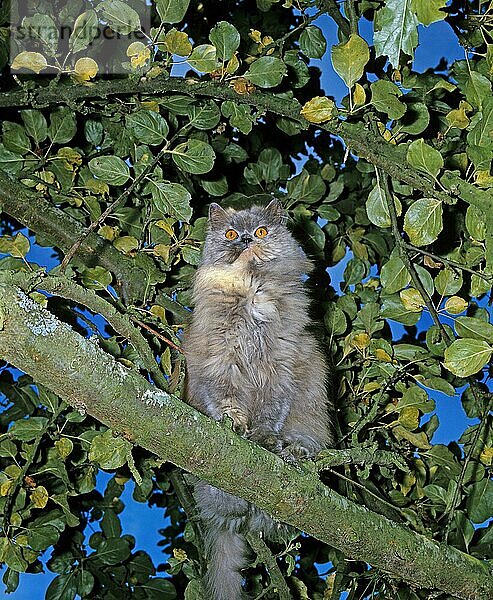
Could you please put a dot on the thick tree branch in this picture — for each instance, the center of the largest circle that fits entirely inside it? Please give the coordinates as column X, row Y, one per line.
column 363, row 142
column 81, row 373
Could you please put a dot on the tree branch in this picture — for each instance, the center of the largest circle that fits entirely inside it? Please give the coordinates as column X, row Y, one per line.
column 62, row 231
column 366, row 144
column 82, row 374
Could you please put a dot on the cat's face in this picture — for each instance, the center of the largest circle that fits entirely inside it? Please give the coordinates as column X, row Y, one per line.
column 258, row 230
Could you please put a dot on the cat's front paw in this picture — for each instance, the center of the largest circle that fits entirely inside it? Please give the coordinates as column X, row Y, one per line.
column 268, row 440
column 240, row 420
column 295, row 452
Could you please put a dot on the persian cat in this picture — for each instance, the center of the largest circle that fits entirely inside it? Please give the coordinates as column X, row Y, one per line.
column 250, row 356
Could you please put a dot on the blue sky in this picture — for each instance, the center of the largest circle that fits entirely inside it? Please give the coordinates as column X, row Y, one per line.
column 436, row 41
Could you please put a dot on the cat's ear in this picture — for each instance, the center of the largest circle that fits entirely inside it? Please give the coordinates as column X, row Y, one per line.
column 276, row 212
column 217, row 214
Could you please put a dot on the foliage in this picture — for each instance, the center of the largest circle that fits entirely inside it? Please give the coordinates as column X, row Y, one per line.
column 395, row 185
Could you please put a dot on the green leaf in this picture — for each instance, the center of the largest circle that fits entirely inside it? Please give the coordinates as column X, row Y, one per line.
column 476, row 223
column 172, row 11
column 312, row 42
column 42, row 28
column 15, row 138
column 19, row 246
column 471, row 327
column 377, row 209
column 42, row 537
column 415, row 120
column 86, row 28
column 428, row 11
column 226, row 39
column 266, row 71
column 394, row 275
column 423, row 221
column 110, row 169
column 448, row 282
column 111, row 551
column 96, row 278
column 349, row 59
column 205, row 115
column 239, row 115
column 395, row 30
column 394, row 309
column 121, row 17
column 158, row 588
column 62, row 587
column 194, row 156
column 12, row 556
column 147, row 126
column 385, row 98
column 335, row 320
column 416, row 397
column 171, row 199
column 467, row 356
column 480, row 501
column 108, row 451
column 306, row 187
column 204, row 58
column 10, row 161
column 424, row 157
column 36, row 125
column 63, row 126
column 28, row 429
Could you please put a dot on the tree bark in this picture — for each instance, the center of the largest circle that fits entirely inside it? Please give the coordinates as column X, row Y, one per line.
column 82, row 374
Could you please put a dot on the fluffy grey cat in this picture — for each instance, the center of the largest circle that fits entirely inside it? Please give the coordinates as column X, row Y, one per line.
column 250, row 356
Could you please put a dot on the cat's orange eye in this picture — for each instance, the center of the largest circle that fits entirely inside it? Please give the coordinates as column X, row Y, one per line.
column 231, row 234
column 261, row 232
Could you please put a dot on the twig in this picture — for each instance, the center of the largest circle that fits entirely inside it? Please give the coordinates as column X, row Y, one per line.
column 350, row 10
column 401, row 247
column 265, row 556
column 447, row 261
column 467, row 458
column 368, row 455
column 333, row 10
column 157, row 334
column 95, row 224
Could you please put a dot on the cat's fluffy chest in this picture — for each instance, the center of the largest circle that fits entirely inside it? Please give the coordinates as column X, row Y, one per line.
column 239, row 291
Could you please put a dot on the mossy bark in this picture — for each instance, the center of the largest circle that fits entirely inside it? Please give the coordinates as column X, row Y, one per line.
column 82, row 374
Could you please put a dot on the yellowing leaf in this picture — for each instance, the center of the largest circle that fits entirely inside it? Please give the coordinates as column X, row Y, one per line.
column 455, row 305
column 428, row 11
column 412, row 300
column 39, row 497
column 380, row 354
column 486, row 456
column 86, row 68
column 349, row 59
column 359, row 95
column 34, row 61
column 139, row 54
column 457, row 117
column 318, row 110
column 177, row 42
column 361, row 341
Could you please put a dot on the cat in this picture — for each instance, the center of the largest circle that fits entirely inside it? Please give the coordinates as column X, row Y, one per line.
column 250, row 356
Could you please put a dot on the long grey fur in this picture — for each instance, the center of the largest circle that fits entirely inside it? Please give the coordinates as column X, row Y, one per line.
column 250, row 355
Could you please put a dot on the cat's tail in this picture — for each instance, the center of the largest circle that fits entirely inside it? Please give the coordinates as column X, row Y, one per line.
column 227, row 556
